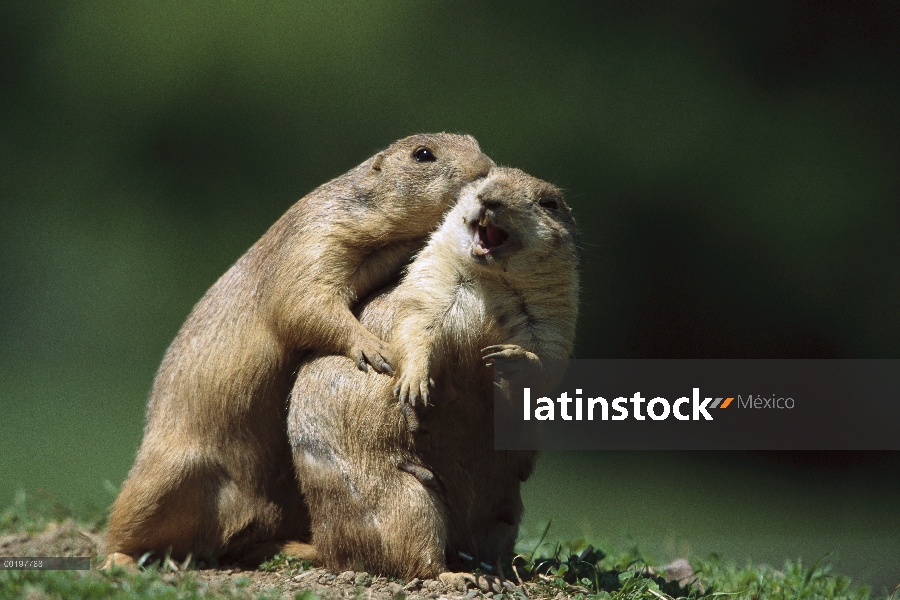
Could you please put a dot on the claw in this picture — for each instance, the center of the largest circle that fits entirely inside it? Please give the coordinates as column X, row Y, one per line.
column 378, row 362
column 499, row 347
column 382, row 365
column 401, row 393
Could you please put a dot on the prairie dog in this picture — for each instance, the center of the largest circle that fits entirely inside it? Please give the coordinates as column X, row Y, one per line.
column 500, row 276
column 213, row 475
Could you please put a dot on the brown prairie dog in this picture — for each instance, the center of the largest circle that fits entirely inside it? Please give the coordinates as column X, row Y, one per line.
column 501, row 269
column 213, row 475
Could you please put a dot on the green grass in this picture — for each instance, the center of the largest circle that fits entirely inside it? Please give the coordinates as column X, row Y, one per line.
column 583, row 571
column 32, row 513
column 118, row 584
column 288, row 565
column 725, row 581
column 576, row 569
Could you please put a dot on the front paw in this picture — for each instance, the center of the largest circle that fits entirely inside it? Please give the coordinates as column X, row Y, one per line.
column 372, row 351
column 412, row 385
column 510, row 360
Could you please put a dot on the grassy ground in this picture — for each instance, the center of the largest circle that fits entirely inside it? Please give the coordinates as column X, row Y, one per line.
column 544, row 570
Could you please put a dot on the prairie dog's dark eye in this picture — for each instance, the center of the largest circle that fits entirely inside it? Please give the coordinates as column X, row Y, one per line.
column 550, row 203
column 424, row 155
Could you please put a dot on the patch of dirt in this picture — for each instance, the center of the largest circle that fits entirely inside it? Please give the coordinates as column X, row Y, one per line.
column 68, row 539
column 59, row 539
column 349, row 584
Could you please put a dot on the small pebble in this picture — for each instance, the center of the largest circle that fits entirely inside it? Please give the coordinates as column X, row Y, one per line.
column 394, row 588
column 346, row 577
column 415, row 584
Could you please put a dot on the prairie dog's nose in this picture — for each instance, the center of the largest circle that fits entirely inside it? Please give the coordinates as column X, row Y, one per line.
column 489, row 201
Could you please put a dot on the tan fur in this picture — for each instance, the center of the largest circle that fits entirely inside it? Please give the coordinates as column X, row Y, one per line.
column 396, row 501
column 213, row 474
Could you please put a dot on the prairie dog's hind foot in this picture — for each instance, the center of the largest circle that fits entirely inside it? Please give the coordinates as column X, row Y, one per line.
column 119, row 559
column 301, row 550
column 256, row 554
column 486, row 583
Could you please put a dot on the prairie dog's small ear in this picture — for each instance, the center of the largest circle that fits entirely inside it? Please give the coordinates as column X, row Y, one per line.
column 376, row 164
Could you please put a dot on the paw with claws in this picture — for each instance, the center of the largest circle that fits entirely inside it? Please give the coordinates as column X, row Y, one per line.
column 509, row 360
column 413, row 384
column 369, row 350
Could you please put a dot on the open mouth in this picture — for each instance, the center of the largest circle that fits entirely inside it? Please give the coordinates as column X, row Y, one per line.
column 489, row 239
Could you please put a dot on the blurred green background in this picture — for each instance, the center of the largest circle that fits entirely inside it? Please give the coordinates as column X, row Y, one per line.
column 734, row 168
